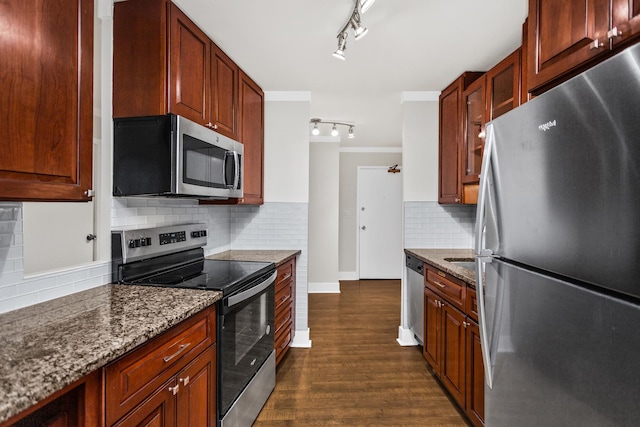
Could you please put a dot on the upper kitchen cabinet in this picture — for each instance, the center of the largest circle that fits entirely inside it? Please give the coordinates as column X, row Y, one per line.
column 46, row 82
column 451, row 123
column 163, row 63
column 252, row 136
column 224, row 95
column 566, row 36
column 487, row 98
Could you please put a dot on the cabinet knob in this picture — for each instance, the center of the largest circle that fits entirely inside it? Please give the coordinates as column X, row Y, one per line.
column 596, row 44
column 614, row 32
column 482, row 135
column 465, row 324
column 184, row 380
column 175, row 389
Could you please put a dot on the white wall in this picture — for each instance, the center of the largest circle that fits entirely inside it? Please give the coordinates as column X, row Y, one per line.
column 286, row 144
column 348, row 232
column 324, row 178
column 420, row 147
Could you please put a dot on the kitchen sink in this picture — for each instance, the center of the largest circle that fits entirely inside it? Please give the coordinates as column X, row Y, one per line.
column 467, row 263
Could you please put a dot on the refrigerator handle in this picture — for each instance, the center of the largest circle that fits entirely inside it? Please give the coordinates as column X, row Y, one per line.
column 483, row 255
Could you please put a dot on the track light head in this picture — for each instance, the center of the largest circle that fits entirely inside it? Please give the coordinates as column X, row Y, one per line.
column 315, row 131
column 342, row 45
column 334, row 130
column 351, row 134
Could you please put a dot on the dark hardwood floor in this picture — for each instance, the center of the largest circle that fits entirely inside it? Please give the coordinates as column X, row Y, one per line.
column 356, row 374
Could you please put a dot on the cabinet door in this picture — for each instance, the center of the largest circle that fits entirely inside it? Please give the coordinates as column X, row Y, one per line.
column 252, row 136
column 46, row 74
column 475, row 375
column 224, row 95
column 453, row 352
column 432, row 339
column 503, row 86
column 561, row 36
column 625, row 20
column 189, row 75
column 474, row 101
column 196, row 405
column 449, row 190
column 159, row 410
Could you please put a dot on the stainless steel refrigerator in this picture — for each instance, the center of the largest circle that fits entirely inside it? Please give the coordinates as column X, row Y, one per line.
column 558, row 244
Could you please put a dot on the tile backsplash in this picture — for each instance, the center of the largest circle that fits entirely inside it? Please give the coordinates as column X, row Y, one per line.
column 431, row 225
column 270, row 226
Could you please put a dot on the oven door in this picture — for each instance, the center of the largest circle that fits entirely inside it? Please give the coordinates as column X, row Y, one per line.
column 245, row 337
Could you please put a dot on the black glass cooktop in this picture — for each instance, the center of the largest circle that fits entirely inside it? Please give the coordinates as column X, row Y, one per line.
column 207, row 274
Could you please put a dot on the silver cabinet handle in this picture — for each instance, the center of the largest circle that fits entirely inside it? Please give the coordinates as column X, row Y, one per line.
column 185, row 380
column 439, row 284
column 614, row 32
column 596, row 44
column 175, row 389
column 182, row 348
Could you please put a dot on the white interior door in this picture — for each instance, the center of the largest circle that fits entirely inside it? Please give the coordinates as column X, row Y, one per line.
column 379, row 223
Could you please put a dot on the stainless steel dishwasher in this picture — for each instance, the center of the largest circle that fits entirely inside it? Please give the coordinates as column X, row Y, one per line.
column 415, row 287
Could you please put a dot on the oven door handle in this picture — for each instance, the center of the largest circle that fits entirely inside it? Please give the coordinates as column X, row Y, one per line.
column 243, row 296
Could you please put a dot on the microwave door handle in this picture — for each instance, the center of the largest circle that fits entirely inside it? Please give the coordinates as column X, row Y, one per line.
column 236, row 175
column 227, row 165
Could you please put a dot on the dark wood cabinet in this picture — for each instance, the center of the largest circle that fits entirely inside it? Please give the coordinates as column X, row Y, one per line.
column 432, row 329
column 474, row 399
column 565, row 37
column 46, row 82
column 172, row 375
column 163, row 63
column 284, row 307
column 252, row 136
column 452, row 371
column 79, row 404
column 452, row 340
column 450, row 136
column 489, row 97
column 189, row 68
column 224, row 97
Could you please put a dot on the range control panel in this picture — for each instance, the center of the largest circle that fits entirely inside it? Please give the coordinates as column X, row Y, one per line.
column 150, row 242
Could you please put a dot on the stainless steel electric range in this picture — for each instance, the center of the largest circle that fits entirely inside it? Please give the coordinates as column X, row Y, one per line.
column 173, row 256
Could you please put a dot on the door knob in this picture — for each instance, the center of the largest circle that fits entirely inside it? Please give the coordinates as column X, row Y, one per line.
column 363, row 227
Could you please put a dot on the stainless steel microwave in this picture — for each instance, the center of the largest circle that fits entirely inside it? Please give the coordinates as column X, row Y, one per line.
column 172, row 156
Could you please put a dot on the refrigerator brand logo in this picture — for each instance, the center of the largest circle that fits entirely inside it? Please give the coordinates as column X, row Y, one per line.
column 546, row 126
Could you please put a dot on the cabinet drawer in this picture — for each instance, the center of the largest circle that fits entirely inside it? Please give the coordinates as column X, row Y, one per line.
column 471, row 304
column 282, row 342
column 132, row 378
column 453, row 292
column 284, row 315
column 282, row 296
column 285, row 274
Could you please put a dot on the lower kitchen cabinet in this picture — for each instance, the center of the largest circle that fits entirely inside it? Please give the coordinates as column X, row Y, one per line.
column 172, row 377
column 79, row 404
column 284, row 307
column 452, row 340
column 187, row 399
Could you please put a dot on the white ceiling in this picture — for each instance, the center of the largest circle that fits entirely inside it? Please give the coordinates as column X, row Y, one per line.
column 412, row 45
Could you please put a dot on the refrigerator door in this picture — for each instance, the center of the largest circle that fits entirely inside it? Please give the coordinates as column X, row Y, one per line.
column 566, row 171
column 565, row 356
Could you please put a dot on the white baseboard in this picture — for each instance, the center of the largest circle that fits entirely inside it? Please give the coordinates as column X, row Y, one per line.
column 348, row 275
column 301, row 339
column 324, row 288
column 406, row 337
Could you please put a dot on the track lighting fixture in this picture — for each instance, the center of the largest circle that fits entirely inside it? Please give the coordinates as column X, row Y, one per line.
column 355, row 23
column 334, row 129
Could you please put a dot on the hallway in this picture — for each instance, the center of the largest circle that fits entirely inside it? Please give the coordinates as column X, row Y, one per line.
column 356, row 374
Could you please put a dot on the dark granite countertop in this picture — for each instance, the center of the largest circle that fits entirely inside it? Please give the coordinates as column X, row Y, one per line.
column 47, row 346
column 277, row 256
column 438, row 258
